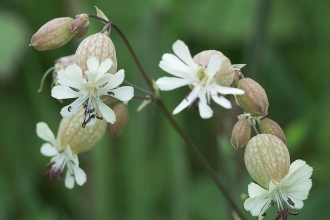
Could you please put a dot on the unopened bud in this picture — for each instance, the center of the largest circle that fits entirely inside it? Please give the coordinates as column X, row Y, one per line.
column 268, row 126
column 254, row 100
column 80, row 25
column 97, row 45
column 225, row 76
column 241, row 133
column 266, row 159
column 63, row 62
column 117, row 128
column 80, row 139
column 53, row 34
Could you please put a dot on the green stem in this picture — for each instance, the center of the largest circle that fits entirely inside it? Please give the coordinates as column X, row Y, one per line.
column 201, row 159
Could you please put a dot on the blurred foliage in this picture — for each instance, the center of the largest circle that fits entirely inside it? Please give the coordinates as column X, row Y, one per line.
column 148, row 172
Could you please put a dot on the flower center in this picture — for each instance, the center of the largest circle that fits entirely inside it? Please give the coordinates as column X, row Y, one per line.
column 202, row 77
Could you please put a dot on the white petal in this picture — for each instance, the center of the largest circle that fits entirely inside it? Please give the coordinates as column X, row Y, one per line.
column 176, row 67
column 104, row 67
column 213, row 67
column 71, row 76
column 79, row 175
column 93, row 64
column 227, row 90
column 124, row 93
column 69, row 180
column 74, row 107
column 188, row 100
column 205, row 110
column 107, row 113
column 299, row 171
column 64, row 92
column 48, row 150
column 255, row 190
column 220, row 100
column 104, row 79
column 169, row 83
column 115, row 80
column 45, row 133
column 182, row 51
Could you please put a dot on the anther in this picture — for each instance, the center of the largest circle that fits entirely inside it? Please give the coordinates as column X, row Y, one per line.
column 293, row 213
column 98, row 117
column 111, row 93
column 50, row 164
column 290, row 202
column 69, row 108
column 272, row 203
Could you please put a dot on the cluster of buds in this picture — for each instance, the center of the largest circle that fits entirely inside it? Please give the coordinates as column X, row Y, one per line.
column 90, row 76
column 267, row 157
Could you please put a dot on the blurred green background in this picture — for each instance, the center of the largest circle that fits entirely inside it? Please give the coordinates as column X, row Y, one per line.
column 148, row 172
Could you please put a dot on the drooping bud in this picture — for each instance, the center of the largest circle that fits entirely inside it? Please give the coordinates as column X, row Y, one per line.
column 266, row 159
column 241, row 133
column 226, row 75
column 80, row 139
column 53, row 34
column 254, row 100
column 268, row 126
column 121, row 112
column 80, row 25
column 97, row 45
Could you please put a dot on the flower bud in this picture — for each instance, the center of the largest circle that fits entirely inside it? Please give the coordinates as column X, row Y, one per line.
column 53, row 34
column 80, row 25
column 121, row 112
column 268, row 126
column 63, row 62
column 80, row 139
column 254, row 100
column 266, row 159
column 241, row 133
column 226, row 75
column 97, row 45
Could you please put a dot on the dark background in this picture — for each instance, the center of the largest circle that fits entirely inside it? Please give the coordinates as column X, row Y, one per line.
column 148, row 172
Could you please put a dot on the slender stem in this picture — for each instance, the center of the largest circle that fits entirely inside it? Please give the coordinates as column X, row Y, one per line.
column 143, row 97
column 175, row 125
column 128, row 45
column 201, row 159
column 183, row 135
column 138, row 88
column 255, row 129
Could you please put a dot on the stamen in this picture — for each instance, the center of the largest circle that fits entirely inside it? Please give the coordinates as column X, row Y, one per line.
column 272, row 203
column 50, row 164
column 290, row 202
column 279, row 215
column 285, row 215
column 69, row 108
column 264, row 214
column 44, row 77
column 98, row 117
column 111, row 93
column 293, row 213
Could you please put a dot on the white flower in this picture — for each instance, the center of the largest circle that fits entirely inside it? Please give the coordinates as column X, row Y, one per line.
column 201, row 78
column 288, row 194
column 60, row 159
column 89, row 90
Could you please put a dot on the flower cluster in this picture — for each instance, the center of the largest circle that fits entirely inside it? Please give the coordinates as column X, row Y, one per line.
column 90, row 76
